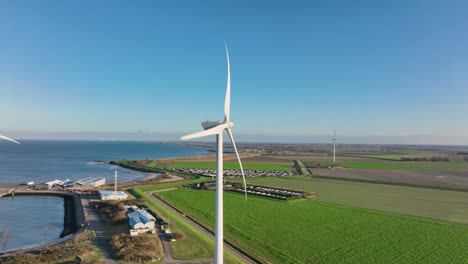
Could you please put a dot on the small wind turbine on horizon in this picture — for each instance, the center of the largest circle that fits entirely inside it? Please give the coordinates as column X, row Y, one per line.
column 334, row 146
column 217, row 128
column 9, row 139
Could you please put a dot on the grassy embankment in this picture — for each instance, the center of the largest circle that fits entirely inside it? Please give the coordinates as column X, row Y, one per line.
column 194, row 244
column 431, row 203
column 80, row 247
column 316, row 232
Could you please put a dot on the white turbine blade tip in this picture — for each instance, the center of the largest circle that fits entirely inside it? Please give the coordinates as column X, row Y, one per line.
column 239, row 159
column 227, row 100
column 9, row 139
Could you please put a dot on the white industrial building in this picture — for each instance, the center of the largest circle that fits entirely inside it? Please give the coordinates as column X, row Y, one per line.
column 112, row 195
column 89, row 182
column 53, row 183
column 140, row 221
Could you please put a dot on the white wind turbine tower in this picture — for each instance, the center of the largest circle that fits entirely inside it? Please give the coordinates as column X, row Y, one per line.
column 9, row 139
column 334, row 146
column 217, row 128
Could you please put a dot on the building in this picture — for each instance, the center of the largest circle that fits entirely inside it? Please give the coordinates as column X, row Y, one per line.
column 112, row 195
column 140, row 221
column 89, row 182
column 53, row 183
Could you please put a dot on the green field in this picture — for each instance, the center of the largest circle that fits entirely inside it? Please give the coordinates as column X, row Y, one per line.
column 309, row 231
column 230, row 165
column 431, row 203
column 398, row 156
column 194, row 244
column 406, row 165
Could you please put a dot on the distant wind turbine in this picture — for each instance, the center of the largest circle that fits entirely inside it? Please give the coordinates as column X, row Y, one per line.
column 217, row 128
column 9, row 139
column 334, row 146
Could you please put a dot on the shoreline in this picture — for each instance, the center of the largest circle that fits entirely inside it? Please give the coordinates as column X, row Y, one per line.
column 74, row 217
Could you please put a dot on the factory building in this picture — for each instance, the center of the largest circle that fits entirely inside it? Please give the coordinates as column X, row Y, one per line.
column 89, row 182
column 53, row 183
column 112, row 195
column 140, row 221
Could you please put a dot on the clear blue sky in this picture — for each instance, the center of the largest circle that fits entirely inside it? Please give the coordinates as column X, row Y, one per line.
column 388, row 69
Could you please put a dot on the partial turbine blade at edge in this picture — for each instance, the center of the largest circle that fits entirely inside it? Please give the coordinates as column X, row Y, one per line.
column 238, row 158
column 227, row 100
column 212, row 131
column 9, row 139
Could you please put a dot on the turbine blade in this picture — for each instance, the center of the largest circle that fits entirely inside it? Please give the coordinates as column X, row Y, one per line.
column 9, row 139
column 227, row 101
column 212, row 131
column 238, row 158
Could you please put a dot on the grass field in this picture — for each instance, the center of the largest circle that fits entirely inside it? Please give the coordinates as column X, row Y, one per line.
column 195, row 244
column 310, row 231
column 398, row 156
column 230, row 165
column 437, row 204
column 406, row 165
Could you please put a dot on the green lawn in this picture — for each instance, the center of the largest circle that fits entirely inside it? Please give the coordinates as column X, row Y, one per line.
column 431, row 203
column 195, row 244
column 406, row 165
column 310, row 231
column 232, row 165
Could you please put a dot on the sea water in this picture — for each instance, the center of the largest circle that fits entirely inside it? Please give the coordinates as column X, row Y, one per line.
column 42, row 161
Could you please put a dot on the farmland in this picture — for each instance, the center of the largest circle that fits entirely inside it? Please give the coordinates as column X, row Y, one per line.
column 406, row 165
column 309, row 231
column 435, row 179
column 431, row 203
column 194, row 244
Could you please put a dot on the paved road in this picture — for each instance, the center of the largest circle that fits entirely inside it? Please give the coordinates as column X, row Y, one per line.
column 227, row 247
column 92, row 217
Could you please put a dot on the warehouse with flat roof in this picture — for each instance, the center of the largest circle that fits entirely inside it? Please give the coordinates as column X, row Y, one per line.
column 112, row 195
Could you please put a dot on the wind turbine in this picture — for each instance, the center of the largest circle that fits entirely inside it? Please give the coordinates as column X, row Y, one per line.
column 334, row 146
column 9, row 139
column 217, row 128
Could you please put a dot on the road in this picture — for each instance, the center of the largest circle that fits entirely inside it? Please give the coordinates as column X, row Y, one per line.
column 92, row 217
column 200, row 228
